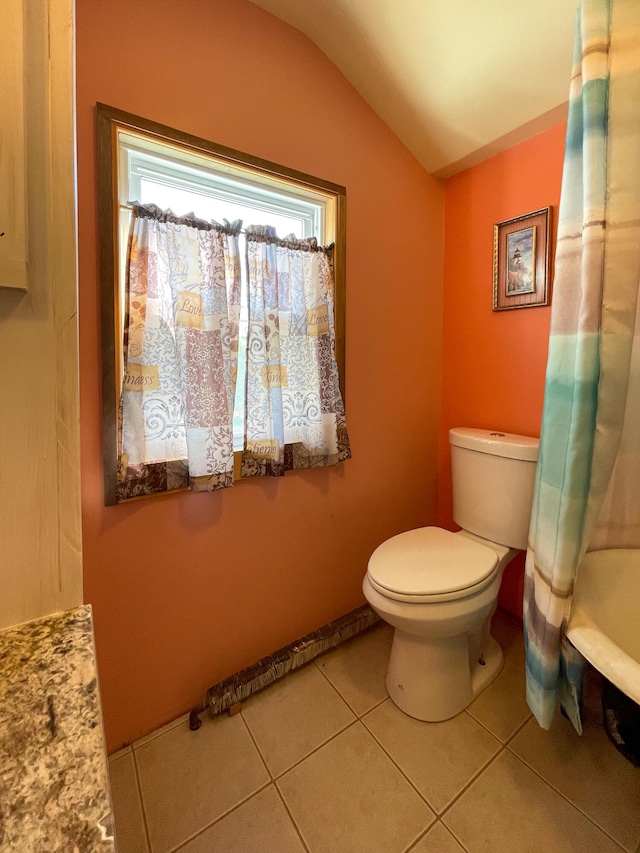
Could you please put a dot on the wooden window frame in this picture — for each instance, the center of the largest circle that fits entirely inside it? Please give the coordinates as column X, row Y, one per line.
column 111, row 121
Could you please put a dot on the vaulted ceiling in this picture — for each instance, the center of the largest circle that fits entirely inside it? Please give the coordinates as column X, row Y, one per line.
column 456, row 80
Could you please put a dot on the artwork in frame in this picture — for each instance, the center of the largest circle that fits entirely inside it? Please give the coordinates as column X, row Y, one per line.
column 522, row 261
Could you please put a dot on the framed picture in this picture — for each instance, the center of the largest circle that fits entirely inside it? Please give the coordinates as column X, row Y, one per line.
column 522, row 261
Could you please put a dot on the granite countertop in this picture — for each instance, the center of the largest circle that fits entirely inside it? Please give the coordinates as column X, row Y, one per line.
column 54, row 789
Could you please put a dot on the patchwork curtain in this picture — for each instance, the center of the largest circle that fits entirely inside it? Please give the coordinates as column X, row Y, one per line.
column 180, row 354
column 294, row 410
column 588, row 478
column 181, row 347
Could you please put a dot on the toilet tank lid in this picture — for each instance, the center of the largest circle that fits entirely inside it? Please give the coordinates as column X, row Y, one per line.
column 495, row 442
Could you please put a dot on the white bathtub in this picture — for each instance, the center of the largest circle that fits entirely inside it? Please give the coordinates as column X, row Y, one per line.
column 605, row 616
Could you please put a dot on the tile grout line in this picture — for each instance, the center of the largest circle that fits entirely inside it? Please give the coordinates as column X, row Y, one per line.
column 316, row 749
column 357, row 718
column 502, row 747
column 258, row 750
column 566, row 799
column 219, row 818
column 429, row 829
column 419, row 837
column 377, row 703
column 517, row 731
column 503, row 743
column 224, row 814
column 405, row 777
column 242, row 802
column 373, row 707
column 291, row 818
column 345, row 700
column 453, row 835
column 469, row 783
column 143, row 810
column 379, row 632
column 474, row 778
column 275, row 777
column 328, row 680
column 141, row 742
column 403, row 774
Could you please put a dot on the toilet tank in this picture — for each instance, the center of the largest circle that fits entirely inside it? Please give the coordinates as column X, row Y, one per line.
column 493, row 477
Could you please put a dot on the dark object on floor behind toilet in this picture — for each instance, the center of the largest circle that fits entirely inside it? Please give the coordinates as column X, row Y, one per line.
column 621, row 721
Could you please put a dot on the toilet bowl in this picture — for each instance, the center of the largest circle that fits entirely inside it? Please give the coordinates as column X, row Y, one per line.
column 439, row 589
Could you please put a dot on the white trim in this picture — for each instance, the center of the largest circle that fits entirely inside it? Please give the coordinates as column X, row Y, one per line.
column 209, row 176
column 41, row 565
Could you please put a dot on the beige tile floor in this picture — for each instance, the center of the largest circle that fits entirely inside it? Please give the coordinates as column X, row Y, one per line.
column 323, row 762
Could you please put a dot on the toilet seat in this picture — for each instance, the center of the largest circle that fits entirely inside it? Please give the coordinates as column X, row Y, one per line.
column 430, row 564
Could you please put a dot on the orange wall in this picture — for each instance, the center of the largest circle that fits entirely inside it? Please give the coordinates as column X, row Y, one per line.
column 493, row 362
column 189, row 588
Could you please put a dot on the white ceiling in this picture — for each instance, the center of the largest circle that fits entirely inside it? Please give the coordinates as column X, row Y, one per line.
column 456, row 80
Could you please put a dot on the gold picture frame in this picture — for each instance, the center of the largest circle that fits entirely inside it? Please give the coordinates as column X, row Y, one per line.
column 522, row 261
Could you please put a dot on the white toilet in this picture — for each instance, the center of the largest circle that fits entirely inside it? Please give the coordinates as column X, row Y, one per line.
column 439, row 589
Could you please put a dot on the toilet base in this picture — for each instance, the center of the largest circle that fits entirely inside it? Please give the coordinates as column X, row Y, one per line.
column 435, row 678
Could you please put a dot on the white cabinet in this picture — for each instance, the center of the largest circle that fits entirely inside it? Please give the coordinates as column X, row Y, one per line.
column 40, row 529
column 13, row 217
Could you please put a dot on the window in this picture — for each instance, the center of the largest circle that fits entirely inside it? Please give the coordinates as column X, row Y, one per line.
column 151, row 164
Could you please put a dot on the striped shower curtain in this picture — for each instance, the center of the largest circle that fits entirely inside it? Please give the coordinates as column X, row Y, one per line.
column 588, row 481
